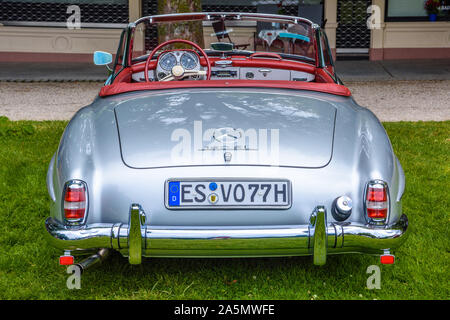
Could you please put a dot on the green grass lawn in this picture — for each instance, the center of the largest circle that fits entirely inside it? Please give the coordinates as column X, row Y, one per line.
column 29, row 268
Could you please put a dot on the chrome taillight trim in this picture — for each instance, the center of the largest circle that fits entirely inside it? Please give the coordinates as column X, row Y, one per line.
column 75, row 222
column 388, row 199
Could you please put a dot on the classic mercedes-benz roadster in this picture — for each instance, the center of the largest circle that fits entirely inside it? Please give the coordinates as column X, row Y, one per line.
column 240, row 141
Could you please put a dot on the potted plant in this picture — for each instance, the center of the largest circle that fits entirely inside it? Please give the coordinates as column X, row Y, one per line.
column 432, row 7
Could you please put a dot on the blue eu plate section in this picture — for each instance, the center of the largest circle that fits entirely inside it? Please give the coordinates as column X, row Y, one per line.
column 174, row 193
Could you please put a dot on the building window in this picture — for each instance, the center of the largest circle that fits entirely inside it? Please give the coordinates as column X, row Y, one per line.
column 53, row 13
column 413, row 10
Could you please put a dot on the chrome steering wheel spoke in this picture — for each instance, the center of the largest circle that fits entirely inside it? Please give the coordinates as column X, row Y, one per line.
column 186, row 73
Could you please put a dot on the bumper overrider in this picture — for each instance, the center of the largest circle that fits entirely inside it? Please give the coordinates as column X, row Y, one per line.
column 318, row 238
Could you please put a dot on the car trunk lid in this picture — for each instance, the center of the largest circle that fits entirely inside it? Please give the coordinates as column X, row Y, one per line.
column 234, row 127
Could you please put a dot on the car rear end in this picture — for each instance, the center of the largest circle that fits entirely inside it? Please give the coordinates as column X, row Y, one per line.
column 229, row 173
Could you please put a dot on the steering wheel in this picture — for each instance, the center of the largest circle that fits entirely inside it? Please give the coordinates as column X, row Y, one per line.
column 178, row 72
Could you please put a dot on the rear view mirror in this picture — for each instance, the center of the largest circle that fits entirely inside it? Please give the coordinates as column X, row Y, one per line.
column 222, row 46
column 102, row 58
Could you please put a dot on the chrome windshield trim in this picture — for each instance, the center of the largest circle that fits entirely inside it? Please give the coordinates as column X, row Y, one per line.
column 208, row 16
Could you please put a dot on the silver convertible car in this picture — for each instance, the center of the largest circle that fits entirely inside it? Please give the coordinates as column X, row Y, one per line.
column 240, row 141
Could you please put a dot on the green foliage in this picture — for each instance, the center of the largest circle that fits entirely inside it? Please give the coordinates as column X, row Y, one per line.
column 29, row 269
column 7, row 128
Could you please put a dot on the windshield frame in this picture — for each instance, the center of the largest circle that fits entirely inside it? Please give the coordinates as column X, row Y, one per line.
column 127, row 60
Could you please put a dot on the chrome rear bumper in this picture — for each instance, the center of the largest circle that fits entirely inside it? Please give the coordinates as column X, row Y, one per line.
column 318, row 239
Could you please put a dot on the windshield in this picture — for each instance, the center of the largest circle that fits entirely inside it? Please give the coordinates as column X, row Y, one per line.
column 225, row 34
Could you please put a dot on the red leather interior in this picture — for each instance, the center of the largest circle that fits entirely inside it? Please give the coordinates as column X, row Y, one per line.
column 122, row 87
column 322, row 76
column 244, row 62
column 323, row 81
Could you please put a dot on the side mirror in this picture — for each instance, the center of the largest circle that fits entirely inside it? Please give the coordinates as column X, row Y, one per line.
column 102, row 58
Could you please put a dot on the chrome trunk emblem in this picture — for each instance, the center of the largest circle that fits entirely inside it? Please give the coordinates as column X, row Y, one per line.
column 227, row 136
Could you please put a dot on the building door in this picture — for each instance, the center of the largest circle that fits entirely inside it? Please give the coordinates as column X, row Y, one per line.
column 352, row 34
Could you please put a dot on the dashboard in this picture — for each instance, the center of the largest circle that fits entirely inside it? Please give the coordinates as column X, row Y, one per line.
column 220, row 69
column 188, row 59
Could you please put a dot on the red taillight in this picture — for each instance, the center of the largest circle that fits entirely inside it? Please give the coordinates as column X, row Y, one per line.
column 75, row 194
column 377, row 202
column 75, row 201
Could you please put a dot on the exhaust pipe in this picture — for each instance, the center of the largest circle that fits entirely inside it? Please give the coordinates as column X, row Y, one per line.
column 93, row 260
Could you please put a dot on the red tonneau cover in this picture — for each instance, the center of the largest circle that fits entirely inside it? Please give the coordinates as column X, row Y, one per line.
column 122, row 87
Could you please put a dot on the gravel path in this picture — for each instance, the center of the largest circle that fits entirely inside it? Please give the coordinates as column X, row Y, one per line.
column 404, row 100
column 389, row 100
column 45, row 100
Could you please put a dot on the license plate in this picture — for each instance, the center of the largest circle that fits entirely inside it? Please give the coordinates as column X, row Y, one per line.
column 228, row 194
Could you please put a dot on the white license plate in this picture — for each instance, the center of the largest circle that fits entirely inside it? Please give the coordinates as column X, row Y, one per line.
column 228, row 193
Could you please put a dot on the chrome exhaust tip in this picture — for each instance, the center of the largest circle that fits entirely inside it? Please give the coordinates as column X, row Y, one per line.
column 93, row 260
